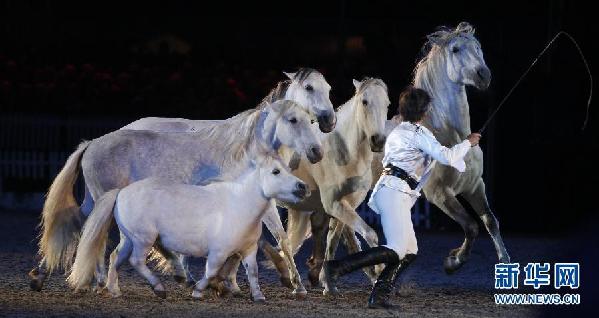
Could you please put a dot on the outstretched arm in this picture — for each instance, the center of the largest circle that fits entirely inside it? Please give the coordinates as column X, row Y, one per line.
column 453, row 156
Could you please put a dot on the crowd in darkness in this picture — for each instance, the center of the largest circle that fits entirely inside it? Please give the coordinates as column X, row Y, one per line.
column 148, row 84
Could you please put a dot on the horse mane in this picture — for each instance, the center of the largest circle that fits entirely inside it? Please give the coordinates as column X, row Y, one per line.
column 235, row 135
column 280, row 90
column 275, row 94
column 440, row 38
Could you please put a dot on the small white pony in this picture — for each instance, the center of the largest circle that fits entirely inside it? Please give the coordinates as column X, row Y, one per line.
column 216, row 220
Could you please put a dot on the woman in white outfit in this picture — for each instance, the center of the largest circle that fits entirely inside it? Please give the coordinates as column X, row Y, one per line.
column 410, row 151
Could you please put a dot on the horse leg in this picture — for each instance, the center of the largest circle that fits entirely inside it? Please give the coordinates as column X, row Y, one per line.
column 478, row 201
column 100, row 273
column 229, row 272
column 38, row 276
column 454, row 209
column 352, row 245
column 279, row 262
column 275, row 226
column 320, row 225
column 213, row 265
column 343, row 211
column 121, row 253
column 179, row 264
column 138, row 261
column 298, row 225
column 251, row 269
column 333, row 236
column 183, row 262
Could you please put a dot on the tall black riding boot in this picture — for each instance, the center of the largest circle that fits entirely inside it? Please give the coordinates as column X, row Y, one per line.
column 379, row 298
column 376, row 255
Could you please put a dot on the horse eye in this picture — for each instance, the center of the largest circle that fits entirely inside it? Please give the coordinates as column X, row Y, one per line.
column 309, row 88
column 276, row 171
column 365, row 102
column 455, row 49
column 293, row 120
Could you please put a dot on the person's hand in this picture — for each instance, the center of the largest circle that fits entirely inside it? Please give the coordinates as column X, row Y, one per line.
column 474, row 138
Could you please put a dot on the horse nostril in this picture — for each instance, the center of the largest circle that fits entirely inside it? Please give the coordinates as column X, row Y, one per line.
column 327, row 122
column 301, row 186
column 483, row 73
column 316, row 151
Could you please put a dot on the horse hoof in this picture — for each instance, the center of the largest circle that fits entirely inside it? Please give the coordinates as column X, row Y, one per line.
column 115, row 294
column 196, row 294
column 259, row 299
column 179, row 279
column 160, row 293
column 300, row 293
column 36, row 284
column 37, row 281
column 331, row 292
column 452, row 264
column 286, row 282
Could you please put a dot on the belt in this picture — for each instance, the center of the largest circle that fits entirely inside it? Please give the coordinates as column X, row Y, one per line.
column 392, row 170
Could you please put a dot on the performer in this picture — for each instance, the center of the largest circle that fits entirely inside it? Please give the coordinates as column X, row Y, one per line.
column 410, row 152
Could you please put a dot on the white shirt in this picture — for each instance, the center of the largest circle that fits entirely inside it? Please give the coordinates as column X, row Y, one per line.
column 414, row 149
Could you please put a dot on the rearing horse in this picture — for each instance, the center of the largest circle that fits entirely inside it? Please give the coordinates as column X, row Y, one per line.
column 454, row 59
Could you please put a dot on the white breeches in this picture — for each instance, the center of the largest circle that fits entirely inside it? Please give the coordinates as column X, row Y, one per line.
column 395, row 210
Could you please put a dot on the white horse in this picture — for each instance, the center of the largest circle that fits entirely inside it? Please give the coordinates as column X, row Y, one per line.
column 454, row 60
column 125, row 156
column 342, row 179
column 216, row 220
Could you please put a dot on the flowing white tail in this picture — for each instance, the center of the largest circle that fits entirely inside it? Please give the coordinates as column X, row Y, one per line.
column 60, row 216
column 92, row 244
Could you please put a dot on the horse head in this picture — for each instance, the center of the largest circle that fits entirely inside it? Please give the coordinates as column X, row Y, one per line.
column 277, row 181
column 288, row 123
column 372, row 102
column 461, row 51
column 309, row 88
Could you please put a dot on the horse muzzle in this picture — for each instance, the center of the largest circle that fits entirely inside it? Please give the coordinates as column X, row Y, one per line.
column 314, row 154
column 482, row 78
column 301, row 191
column 377, row 142
column 327, row 122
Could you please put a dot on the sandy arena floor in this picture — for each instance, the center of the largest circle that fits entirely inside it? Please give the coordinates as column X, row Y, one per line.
column 425, row 290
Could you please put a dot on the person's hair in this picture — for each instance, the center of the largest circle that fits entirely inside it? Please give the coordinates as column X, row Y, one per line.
column 413, row 104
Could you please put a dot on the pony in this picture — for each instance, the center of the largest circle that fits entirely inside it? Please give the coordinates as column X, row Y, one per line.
column 216, row 220
column 218, row 150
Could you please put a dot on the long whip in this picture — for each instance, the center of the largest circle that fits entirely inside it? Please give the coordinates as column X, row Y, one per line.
column 533, row 64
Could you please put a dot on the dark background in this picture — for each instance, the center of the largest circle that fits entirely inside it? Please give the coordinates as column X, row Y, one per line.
column 112, row 62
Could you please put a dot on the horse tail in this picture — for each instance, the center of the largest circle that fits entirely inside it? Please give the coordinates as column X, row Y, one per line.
column 60, row 215
column 92, row 244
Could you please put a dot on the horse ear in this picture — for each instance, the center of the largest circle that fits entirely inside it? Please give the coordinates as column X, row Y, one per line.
column 465, row 27
column 437, row 37
column 356, row 83
column 290, row 75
